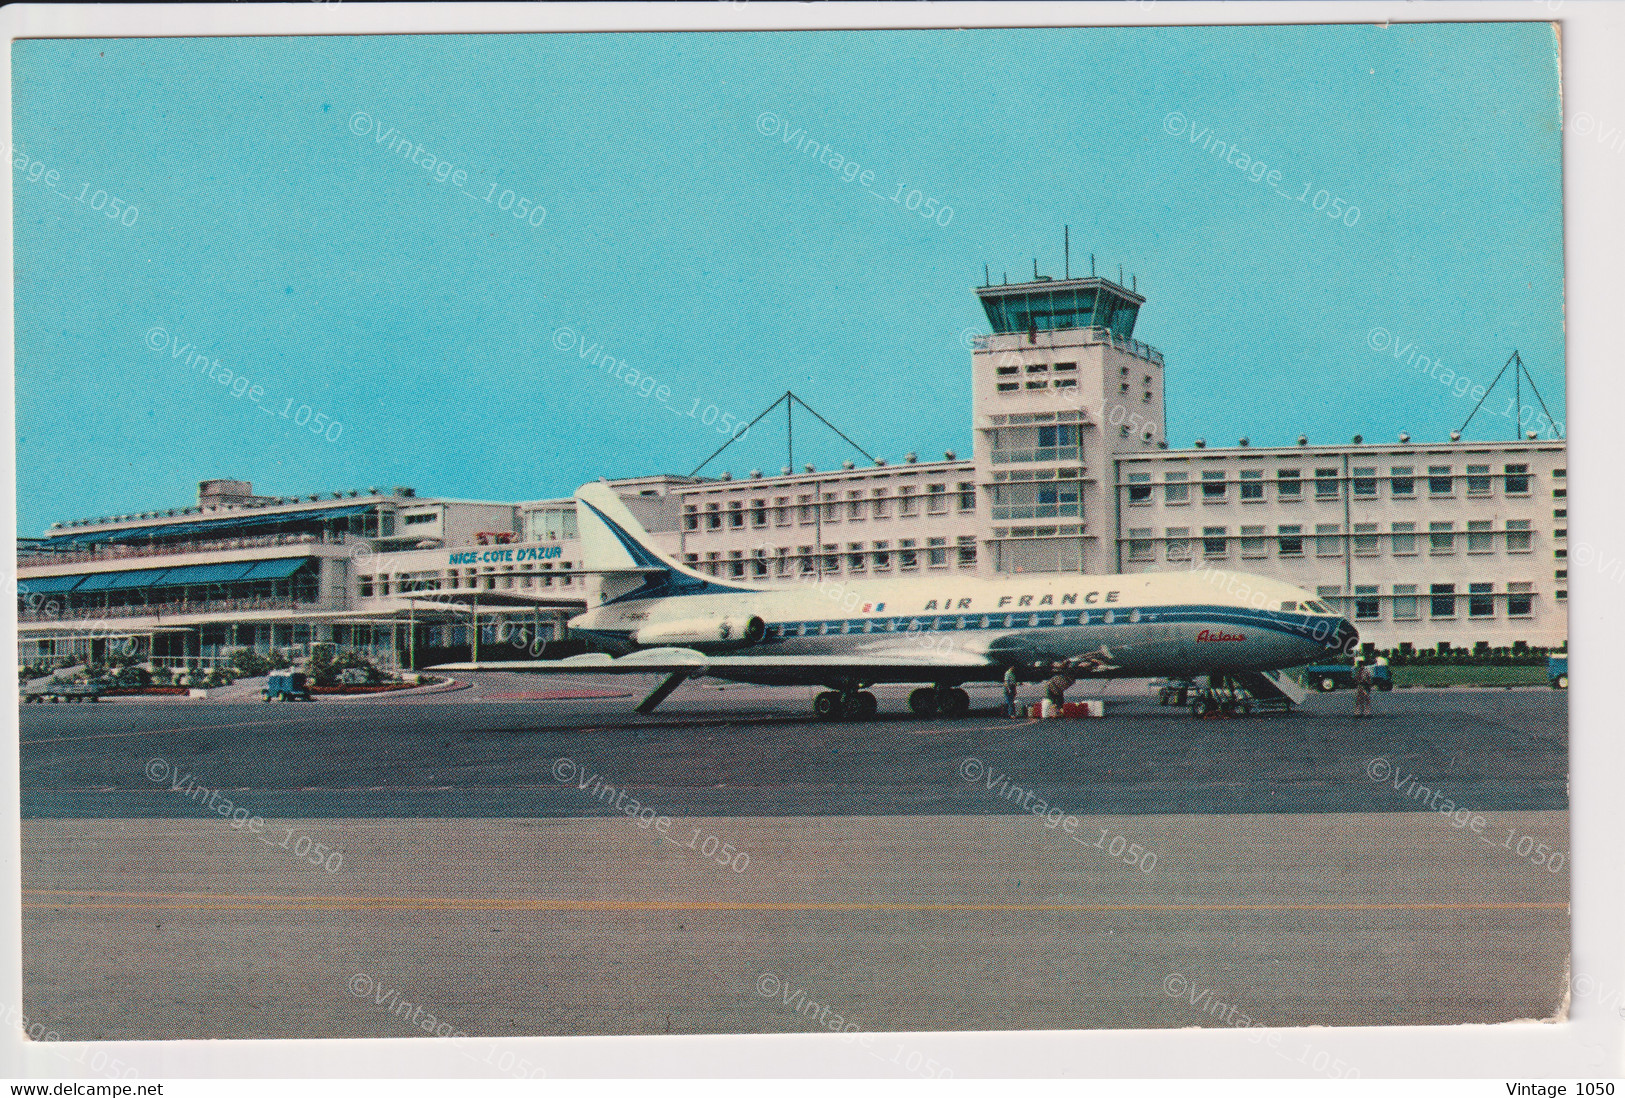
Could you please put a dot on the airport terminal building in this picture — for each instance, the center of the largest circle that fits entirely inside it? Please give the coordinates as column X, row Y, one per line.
column 1427, row 544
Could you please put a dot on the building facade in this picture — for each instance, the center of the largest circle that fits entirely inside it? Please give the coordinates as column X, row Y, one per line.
column 1458, row 544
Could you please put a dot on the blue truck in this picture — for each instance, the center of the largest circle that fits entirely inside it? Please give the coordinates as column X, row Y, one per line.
column 287, row 686
column 1557, row 671
column 1340, row 676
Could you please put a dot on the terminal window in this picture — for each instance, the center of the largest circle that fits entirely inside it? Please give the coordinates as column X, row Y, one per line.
column 1365, row 481
column 967, row 550
column 1478, row 480
column 1365, row 539
column 1177, row 545
column 1440, row 482
column 1252, row 541
column 1290, row 541
column 1139, row 487
column 1288, row 485
column 1480, row 600
column 1139, row 543
column 1442, row 600
column 1328, row 540
column 1213, row 484
column 1402, row 539
column 1520, row 599
column 1479, row 536
column 1405, row 602
column 1214, row 541
column 1326, row 484
column 1367, row 603
column 1441, row 537
column 1252, row 484
column 1517, row 477
column 1175, row 489
column 1518, row 536
column 967, row 496
column 1401, row 482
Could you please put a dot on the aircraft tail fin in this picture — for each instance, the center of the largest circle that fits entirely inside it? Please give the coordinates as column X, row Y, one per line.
column 614, row 540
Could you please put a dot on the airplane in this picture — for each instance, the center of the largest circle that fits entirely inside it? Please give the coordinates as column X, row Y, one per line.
column 655, row 615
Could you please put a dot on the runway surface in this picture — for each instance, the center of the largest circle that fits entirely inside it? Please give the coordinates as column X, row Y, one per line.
column 530, row 866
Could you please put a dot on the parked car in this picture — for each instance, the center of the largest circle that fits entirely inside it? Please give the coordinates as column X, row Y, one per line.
column 1333, row 676
column 287, row 686
column 1557, row 671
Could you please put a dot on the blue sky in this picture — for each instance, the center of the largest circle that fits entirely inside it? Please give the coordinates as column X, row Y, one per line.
column 682, row 236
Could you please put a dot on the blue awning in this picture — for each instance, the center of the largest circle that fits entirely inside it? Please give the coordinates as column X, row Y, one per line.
column 202, row 573
column 274, row 569
column 99, row 581
column 186, row 574
column 47, row 585
column 144, row 577
column 242, row 520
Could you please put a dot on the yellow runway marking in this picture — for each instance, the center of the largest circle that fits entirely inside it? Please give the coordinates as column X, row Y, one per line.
column 174, row 902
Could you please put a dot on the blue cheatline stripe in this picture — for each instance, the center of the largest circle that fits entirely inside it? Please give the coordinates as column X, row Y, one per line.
column 1300, row 626
column 668, row 582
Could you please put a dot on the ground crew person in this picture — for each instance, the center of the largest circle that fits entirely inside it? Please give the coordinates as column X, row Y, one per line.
column 1010, row 709
column 1055, row 690
column 1362, row 689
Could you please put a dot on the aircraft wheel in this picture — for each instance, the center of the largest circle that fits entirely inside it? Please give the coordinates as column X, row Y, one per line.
column 1229, row 707
column 923, row 702
column 867, row 705
column 953, row 702
column 1201, row 707
column 852, row 707
column 1328, row 685
column 827, row 705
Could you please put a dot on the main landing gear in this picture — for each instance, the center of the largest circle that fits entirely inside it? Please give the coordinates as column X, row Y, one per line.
column 853, row 704
column 844, row 705
column 946, row 701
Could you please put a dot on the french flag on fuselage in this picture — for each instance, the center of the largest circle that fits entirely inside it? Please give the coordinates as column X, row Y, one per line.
column 872, row 607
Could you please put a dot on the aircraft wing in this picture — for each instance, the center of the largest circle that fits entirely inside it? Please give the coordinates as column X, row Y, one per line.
column 896, row 665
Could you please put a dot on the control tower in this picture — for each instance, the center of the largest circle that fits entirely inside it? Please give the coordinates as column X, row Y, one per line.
column 1059, row 388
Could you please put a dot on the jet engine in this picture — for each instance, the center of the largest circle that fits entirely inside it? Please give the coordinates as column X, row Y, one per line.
column 704, row 632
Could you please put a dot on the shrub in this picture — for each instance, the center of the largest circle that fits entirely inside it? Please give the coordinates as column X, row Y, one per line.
column 249, row 664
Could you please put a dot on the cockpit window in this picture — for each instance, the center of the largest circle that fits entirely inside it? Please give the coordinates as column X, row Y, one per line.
column 1289, row 606
column 1317, row 607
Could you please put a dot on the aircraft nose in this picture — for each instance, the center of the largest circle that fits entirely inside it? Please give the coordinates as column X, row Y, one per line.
column 1344, row 637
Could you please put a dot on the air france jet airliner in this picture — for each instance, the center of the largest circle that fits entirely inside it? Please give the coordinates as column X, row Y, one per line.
column 654, row 615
